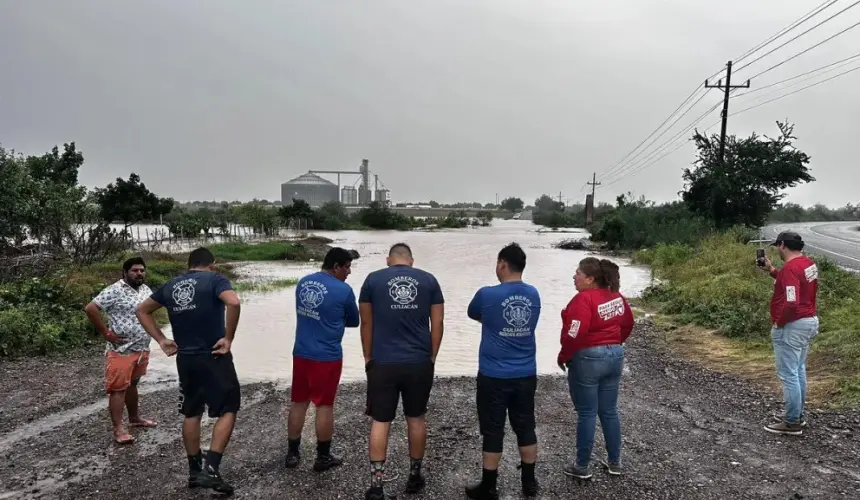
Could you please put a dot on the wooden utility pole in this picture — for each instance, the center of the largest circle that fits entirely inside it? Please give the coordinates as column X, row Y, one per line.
column 589, row 200
column 728, row 87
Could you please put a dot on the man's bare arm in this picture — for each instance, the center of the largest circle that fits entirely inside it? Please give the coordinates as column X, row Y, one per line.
column 144, row 315
column 365, row 310
column 234, row 307
column 437, row 317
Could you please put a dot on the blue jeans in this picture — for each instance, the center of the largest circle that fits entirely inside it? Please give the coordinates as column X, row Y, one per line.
column 594, row 375
column 790, row 348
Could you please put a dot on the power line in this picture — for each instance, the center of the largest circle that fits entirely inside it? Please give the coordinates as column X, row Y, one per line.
column 798, row 36
column 636, row 166
column 643, row 167
column 656, row 129
column 809, row 15
column 618, row 168
column 833, row 66
column 796, row 91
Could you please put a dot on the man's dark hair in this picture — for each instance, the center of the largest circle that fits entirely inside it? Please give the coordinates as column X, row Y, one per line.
column 336, row 256
column 514, row 255
column 200, row 257
column 793, row 245
column 400, row 248
column 134, row 261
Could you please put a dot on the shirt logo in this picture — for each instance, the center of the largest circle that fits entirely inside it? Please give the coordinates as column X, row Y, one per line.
column 811, row 273
column 790, row 294
column 403, row 291
column 517, row 312
column 611, row 309
column 312, row 294
column 573, row 331
column 183, row 293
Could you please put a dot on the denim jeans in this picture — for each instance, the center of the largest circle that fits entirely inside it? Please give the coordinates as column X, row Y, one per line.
column 594, row 375
column 790, row 348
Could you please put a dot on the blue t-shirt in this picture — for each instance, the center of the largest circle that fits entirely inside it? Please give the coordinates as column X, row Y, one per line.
column 195, row 311
column 509, row 314
column 325, row 306
column 401, row 297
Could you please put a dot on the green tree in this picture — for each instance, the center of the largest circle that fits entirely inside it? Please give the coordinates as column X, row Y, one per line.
column 130, row 201
column 746, row 187
column 332, row 216
column 299, row 209
column 512, row 204
column 58, row 202
column 545, row 204
column 16, row 198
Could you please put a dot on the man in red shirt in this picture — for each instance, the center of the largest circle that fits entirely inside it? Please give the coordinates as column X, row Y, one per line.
column 795, row 323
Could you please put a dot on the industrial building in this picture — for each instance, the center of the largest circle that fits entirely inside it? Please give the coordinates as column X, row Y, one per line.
column 311, row 188
column 349, row 195
column 317, row 191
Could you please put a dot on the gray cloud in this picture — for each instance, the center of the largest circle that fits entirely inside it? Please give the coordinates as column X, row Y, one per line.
column 449, row 100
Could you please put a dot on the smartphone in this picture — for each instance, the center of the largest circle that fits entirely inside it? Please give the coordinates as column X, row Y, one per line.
column 759, row 257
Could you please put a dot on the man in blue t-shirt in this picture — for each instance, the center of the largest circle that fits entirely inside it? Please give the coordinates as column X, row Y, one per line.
column 507, row 369
column 401, row 330
column 325, row 307
column 196, row 302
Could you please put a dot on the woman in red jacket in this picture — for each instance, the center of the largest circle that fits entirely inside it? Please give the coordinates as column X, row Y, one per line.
column 595, row 324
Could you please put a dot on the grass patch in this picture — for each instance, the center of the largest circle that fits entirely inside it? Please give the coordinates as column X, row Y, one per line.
column 266, row 251
column 716, row 286
column 264, row 286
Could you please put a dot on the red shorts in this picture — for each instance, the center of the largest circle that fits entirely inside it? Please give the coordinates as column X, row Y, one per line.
column 123, row 369
column 315, row 381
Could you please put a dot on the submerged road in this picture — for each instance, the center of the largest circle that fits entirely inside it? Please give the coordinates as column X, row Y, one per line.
column 838, row 241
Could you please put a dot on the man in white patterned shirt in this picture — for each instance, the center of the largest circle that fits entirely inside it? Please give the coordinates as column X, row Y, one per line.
column 127, row 352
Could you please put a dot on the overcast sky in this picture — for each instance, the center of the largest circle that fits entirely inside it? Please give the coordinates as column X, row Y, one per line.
column 449, row 100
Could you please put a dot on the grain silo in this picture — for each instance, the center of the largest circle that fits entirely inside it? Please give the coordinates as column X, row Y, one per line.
column 349, row 195
column 311, row 188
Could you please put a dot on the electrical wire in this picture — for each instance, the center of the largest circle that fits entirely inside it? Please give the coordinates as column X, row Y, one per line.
column 809, row 15
column 619, row 168
column 636, row 167
column 833, row 66
column 798, row 36
column 796, row 91
column 619, row 162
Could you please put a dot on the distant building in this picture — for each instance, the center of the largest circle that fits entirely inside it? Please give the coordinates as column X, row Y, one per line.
column 349, row 195
column 383, row 196
column 311, row 188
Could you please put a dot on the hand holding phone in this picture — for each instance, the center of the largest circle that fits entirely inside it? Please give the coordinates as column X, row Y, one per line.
column 760, row 257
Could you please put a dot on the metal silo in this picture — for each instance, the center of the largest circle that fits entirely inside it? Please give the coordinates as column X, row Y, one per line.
column 349, row 196
column 311, row 188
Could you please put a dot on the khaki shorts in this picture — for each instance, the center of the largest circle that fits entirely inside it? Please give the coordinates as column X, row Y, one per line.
column 123, row 368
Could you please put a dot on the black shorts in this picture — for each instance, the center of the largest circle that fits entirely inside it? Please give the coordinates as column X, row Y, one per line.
column 387, row 383
column 207, row 381
column 514, row 398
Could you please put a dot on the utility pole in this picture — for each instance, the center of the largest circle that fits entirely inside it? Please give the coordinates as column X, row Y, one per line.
column 727, row 88
column 589, row 202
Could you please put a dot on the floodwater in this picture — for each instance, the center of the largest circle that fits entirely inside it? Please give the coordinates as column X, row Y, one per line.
column 462, row 260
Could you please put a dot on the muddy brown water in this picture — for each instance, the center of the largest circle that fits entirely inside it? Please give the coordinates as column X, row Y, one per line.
column 462, row 260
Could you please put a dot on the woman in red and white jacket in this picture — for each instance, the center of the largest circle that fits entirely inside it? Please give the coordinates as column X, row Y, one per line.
column 595, row 324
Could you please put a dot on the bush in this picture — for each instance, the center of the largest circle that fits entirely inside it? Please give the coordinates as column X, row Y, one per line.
column 642, row 224
column 270, row 250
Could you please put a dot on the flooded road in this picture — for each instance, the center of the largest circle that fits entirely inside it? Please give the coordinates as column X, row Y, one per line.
column 462, row 260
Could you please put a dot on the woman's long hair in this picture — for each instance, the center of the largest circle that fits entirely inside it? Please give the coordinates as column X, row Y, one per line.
column 604, row 271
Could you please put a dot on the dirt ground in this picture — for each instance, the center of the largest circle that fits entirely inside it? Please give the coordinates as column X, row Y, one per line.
column 688, row 433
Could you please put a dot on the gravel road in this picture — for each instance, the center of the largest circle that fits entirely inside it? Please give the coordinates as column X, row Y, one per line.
column 688, row 433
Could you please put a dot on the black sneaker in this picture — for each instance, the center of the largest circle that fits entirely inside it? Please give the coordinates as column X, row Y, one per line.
column 378, row 493
column 777, row 419
column 415, row 483
column 613, row 468
column 211, row 478
column 193, row 479
column 530, row 487
column 480, row 492
column 576, row 471
column 292, row 461
column 326, row 462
